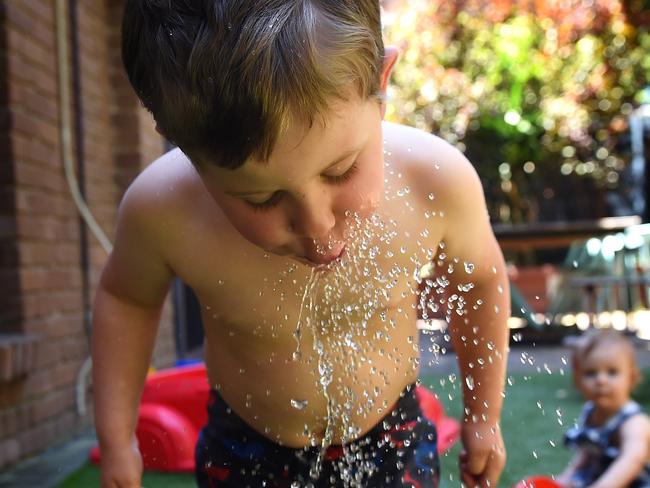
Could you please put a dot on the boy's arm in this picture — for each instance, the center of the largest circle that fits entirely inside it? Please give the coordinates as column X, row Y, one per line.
column 131, row 291
column 635, row 440
column 480, row 335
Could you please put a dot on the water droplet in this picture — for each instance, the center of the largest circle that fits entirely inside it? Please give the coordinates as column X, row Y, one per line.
column 298, row 404
column 469, row 381
column 469, row 268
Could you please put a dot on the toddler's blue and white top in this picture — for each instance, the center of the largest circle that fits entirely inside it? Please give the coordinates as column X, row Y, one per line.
column 598, row 442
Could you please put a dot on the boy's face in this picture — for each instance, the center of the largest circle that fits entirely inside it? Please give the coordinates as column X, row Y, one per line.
column 297, row 203
column 606, row 377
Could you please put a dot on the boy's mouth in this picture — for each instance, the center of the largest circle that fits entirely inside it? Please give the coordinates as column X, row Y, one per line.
column 323, row 260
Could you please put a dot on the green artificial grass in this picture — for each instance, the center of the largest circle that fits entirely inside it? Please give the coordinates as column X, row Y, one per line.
column 88, row 476
column 538, row 409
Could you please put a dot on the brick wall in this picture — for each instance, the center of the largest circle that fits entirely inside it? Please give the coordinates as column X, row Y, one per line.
column 41, row 277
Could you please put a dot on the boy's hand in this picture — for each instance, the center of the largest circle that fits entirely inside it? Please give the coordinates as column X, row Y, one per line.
column 121, row 468
column 483, row 456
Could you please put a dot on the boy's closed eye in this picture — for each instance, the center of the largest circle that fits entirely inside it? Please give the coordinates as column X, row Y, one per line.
column 336, row 176
column 269, row 202
column 333, row 176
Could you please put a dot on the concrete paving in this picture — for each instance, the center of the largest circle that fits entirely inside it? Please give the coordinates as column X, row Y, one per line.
column 51, row 467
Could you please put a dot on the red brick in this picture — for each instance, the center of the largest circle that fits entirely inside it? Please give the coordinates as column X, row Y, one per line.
column 36, row 305
column 39, row 202
column 30, row 124
column 38, row 279
column 9, row 451
column 45, row 220
column 51, row 405
column 36, row 176
column 21, row 71
column 17, row 17
column 38, row 383
column 23, row 44
column 36, row 438
column 8, row 424
column 42, row 9
column 36, row 151
column 44, row 106
column 49, row 353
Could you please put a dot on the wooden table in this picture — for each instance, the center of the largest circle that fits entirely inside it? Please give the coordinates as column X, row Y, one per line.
column 545, row 235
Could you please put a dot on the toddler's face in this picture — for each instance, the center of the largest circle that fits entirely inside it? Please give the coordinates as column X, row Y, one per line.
column 297, row 203
column 606, row 377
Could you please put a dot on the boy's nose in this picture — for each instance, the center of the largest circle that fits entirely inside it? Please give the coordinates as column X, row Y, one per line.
column 314, row 219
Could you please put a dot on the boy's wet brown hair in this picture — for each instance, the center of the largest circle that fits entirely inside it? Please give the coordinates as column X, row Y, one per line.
column 223, row 78
column 594, row 338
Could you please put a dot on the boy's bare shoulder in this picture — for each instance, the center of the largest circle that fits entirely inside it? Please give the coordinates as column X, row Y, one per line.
column 163, row 200
column 164, row 184
column 432, row 165
column 149, row 220
column 443, row 181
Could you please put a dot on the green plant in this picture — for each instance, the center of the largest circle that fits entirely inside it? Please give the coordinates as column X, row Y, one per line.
column 537, row 95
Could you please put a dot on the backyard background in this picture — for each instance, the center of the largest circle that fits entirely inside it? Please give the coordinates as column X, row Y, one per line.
column 540, row 95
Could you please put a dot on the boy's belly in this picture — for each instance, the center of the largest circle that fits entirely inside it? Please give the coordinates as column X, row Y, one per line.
column 284, row 399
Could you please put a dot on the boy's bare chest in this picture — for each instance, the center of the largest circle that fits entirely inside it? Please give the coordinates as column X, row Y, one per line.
column 243, row 289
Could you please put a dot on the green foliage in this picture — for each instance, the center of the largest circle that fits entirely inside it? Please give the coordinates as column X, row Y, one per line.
column 537, row 100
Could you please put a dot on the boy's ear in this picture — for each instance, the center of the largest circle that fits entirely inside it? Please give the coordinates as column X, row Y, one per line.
column 391, row 54
column 390, row 58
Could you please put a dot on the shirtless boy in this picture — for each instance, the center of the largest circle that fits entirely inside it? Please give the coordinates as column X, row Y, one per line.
column 287, row 189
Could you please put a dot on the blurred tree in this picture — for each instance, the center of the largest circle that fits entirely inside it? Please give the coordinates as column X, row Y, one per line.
column 535, row 92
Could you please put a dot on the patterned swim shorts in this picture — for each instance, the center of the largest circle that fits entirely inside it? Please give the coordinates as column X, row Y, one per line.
column 399, row 452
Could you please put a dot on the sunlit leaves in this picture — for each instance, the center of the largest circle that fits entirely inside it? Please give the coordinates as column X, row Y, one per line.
column 521, row 82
